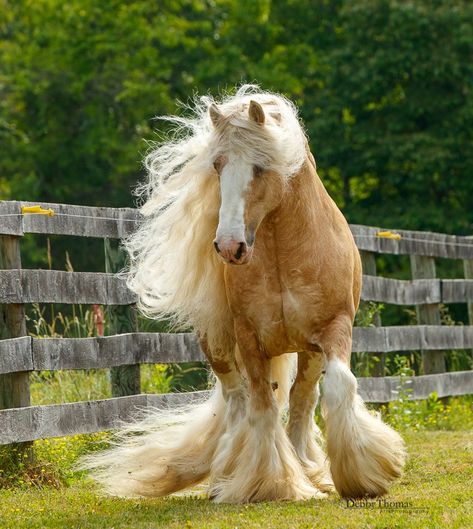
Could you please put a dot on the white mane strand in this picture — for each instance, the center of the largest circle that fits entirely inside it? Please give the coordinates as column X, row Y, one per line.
column 174, row 269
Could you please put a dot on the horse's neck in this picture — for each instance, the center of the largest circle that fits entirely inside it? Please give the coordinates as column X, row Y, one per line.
column 306, row 212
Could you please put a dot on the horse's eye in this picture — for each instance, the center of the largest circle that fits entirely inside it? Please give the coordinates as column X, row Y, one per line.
column 257, row 171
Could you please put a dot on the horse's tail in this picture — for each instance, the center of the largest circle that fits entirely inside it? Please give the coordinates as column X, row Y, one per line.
column 169, row 450
column 282, row 375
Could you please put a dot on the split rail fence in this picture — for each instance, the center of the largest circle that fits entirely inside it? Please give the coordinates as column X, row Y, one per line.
column 124, row 351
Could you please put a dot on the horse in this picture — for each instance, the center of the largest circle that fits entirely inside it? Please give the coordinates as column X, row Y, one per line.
column 241, row 242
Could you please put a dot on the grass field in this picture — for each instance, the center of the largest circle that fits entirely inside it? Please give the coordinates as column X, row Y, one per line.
column 435, row 492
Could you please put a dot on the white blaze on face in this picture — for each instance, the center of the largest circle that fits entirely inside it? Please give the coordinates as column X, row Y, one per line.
column 234, row 180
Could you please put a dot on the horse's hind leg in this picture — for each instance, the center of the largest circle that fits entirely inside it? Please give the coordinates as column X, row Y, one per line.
column 261, row 463
column 302, row 429
column 365, row 454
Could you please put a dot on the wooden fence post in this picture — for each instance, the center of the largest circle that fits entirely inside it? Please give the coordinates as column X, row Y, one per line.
column 14, row 387
column 468, row 269
column 423, row 267
column 368, row 260
column 125, row 380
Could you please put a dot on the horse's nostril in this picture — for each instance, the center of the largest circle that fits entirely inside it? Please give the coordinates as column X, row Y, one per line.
column 239, row 252
column 216, row 247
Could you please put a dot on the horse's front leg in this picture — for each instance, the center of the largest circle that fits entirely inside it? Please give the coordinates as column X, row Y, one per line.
column 365, row 454
column 222, row 360
column 302, row 429
column 263, row 463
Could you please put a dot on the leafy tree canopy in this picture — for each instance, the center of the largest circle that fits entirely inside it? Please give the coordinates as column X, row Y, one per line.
column 384, row 88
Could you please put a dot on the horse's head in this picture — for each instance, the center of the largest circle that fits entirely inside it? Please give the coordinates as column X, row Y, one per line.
column 249, row 188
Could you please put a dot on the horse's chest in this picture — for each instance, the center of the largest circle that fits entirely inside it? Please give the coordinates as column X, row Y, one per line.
column 302, row 307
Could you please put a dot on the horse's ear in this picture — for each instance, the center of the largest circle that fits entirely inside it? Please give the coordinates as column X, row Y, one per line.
column 256, row 112
column 215, row 115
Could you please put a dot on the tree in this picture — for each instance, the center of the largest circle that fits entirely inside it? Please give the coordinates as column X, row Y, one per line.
column 384, row 88
column 81, row 82
column 394, row 134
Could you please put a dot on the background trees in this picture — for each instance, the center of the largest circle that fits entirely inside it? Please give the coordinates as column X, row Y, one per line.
column 384, row 88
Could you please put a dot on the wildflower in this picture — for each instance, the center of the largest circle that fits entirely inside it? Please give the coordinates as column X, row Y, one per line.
column 98, row 319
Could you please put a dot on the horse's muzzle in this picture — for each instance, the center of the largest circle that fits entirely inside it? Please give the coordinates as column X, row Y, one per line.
column 233, row 252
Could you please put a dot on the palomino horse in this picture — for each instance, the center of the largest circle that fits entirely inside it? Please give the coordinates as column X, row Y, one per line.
column 242, row 242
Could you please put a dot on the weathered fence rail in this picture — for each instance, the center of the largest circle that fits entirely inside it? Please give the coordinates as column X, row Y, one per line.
column 51, row 354
column 21, row 354
column 57, row 420
column 55, row 286
column 82, row 221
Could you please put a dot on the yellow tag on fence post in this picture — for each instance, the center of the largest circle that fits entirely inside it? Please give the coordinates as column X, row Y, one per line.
column 389, row 235
column 37, row 210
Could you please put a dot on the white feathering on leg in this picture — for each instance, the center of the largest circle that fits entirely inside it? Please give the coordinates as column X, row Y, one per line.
column 259, row 464
column 168, row 451
column 365, row 454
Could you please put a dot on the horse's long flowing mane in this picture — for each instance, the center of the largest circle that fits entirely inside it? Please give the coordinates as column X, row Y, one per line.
column 173, row 266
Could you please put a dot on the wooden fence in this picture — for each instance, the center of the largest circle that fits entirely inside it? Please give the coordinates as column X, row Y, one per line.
column 124, row 351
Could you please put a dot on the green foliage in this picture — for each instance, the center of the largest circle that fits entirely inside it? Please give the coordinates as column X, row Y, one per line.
column 190, row 376
column 396, row 110
column 362, row 364
column 80, row 324
column 458, row 359
column 384, row 87
column 52, row 465
column 455, row 413
column 404, row 414
column 367, row 313
column 80, row 82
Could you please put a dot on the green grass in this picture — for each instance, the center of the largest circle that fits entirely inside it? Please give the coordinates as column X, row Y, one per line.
column 437, row 484
column 51, row 387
